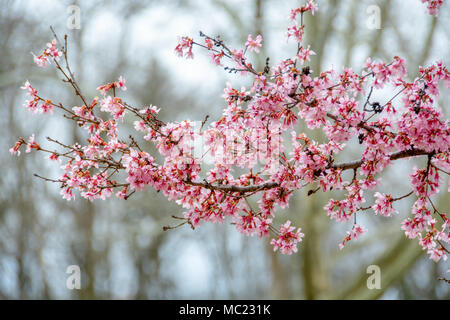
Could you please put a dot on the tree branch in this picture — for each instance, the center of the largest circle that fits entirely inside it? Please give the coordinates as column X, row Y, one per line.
column 394, row 156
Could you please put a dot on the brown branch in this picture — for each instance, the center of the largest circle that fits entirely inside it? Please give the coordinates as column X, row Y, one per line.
column 270, row 185
column 393, row 156
column 69, row 78
column 403, row 197
column 48, row 179
column 361, row 124
column 233, row 188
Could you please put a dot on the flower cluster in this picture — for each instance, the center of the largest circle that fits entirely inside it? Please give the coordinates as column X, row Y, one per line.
column 184, row 47
column 111, row 86
column 252, row 168
column 383, row 204
column 287, row 239
column 254, row 44
column 433, row 6
column 31, row 144
column 355, row 233
column 384, row 73
column 50, row 53
column 35, row 103
column 310, row 6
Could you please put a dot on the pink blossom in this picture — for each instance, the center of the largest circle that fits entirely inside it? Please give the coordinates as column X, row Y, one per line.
column 216, row 57
column 383, row 204
column 50, row 52
column 247, row 224
column 310, row 6
column 184, row 47
column 46, row 107
column 263, row 227
column 354, row 234
column 114, row 106
column 54, row 157
column 433, row 6
column 258, row 150
column 304, row 54
column 287, row 240
column 425, row 182
column 16, row 148
column 437, row 254
column 67, row 193
column 109, row 86
column 30, row 90
column 121, row 83
column 296, row 33
column 209, row 44
column 41, row 60
column 254, row 44
column 32, row 144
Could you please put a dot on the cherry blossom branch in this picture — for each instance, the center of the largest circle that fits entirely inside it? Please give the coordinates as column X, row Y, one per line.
column 234, row 188
column 69, row 78
column 251, row 129
column 395, row 156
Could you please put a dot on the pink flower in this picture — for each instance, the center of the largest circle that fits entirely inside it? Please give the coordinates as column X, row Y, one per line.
column 67, row 193
column 32, row 144
column 287, row 240
column 304, row 54
column 114, row 106
column 425, row 183
column 118, row 84
column 47, row 107
column 355, row 233
column 16, row 148
column 54, row 157
column 383, row 204
column 41, row 60
column 216, row 57
column 296, row 33
column 32, row 105
column 433, row 6
column 122, row 194
column 246, row 224
column 30, row 90
column 209, row 44
column 437, row 254
column 121, row 83
column 184, row 47
column 254, row 45
column 311, row 6
column 140, row 169
column 51, row 52
column 263, row 227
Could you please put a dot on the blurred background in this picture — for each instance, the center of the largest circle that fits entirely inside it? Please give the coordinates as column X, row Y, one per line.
column 120, row 246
